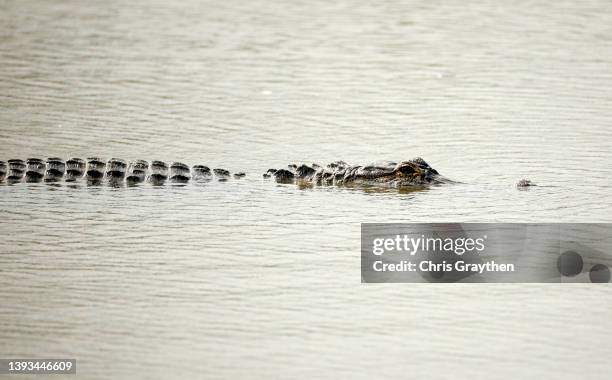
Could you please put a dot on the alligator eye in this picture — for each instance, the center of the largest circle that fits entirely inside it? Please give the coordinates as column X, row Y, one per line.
column 407, row 170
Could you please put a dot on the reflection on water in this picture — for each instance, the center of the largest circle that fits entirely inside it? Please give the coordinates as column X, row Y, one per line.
column 250, row 278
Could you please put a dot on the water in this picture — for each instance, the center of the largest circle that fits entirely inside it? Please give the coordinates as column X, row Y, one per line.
column 248, row 278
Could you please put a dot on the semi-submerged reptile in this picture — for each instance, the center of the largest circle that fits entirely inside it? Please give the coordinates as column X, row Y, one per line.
column 415, row 172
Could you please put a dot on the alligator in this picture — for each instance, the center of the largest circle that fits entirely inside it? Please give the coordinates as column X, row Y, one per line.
column 413, row 172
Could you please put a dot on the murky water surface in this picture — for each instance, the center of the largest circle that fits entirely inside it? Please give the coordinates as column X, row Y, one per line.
column 247, row 278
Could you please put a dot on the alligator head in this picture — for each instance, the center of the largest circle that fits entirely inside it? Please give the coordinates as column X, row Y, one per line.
column 405, row 173
column 415, row 171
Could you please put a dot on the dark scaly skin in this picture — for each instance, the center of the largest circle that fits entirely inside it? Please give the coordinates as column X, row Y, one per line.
column 114, row 171
column 415, row 172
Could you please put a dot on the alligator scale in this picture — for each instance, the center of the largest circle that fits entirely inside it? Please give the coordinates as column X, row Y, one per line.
column 94, row 169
